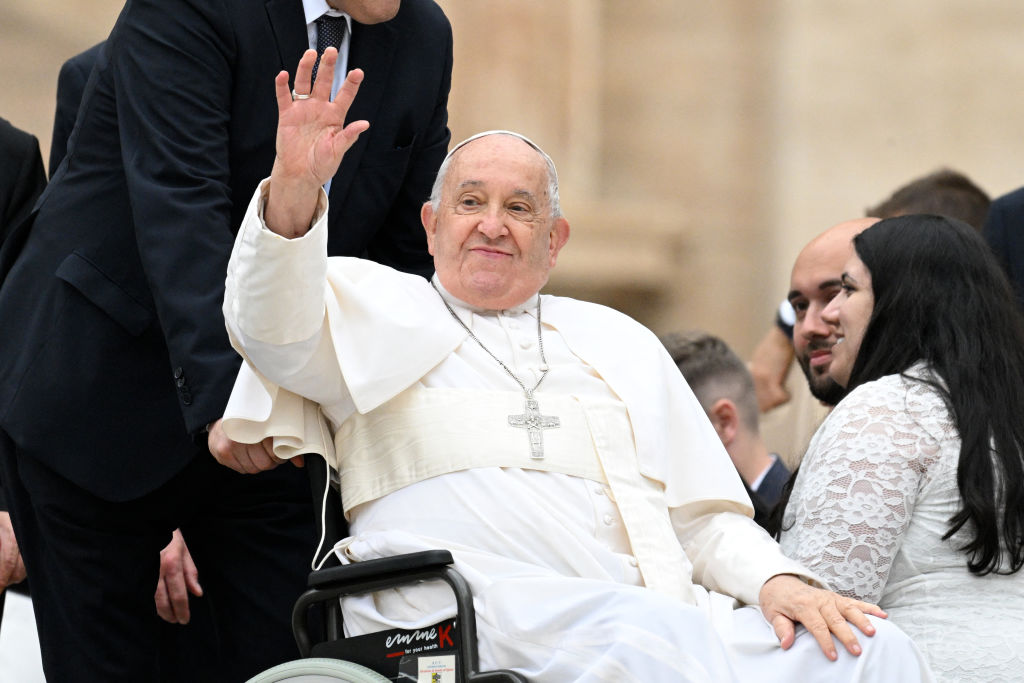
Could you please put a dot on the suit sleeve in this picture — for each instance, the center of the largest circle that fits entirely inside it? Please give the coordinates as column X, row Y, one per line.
column 25, row 179
column 172, row 71
column 70, row 86
column 400, row 242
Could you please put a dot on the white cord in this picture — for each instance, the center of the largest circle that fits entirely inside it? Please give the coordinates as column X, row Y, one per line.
column 318, row 564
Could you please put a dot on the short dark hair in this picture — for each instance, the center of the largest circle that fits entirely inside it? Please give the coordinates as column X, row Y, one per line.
column 714, row 371
column 942, row 298
column 944, row 193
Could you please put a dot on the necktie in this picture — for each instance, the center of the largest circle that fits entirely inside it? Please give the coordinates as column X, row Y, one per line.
column 329, row 33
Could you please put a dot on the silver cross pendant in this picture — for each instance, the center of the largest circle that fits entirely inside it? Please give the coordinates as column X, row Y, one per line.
column 534, row 423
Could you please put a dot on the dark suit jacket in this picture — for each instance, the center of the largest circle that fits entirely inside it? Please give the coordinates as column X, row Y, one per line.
column 1004, row 231
column 121, row 355
column 770, row 489
column 22, row 178
column 74, row 74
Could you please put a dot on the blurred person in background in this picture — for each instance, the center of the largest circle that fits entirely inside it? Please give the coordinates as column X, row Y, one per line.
column 725, row 390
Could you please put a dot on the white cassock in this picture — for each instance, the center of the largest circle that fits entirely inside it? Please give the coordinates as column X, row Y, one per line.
column 620, row 555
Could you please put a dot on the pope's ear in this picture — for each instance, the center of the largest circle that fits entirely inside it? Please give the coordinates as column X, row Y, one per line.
column 429, row 220
column 559, row 236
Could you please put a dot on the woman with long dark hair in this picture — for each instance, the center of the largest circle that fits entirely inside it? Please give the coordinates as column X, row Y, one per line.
column 911, row 494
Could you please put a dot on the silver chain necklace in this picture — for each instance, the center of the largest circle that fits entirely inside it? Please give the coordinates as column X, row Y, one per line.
column 531, row 419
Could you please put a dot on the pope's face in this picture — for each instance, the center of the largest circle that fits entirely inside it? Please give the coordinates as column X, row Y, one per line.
column 493, row 238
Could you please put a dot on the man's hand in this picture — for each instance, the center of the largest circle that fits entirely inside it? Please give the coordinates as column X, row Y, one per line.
column 178, row 578
column 312, row 138
column 12, row 569
column 247, row 458
column 769, row 367
column 785, row 599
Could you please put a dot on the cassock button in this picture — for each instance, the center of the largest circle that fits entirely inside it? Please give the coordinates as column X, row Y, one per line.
column 178, row 372
column 599, row 490
column 632, row 561
column 525, row 343
column 609, row 520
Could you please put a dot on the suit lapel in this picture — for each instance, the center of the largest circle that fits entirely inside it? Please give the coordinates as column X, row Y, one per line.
column 371, row 50
column 288, row 24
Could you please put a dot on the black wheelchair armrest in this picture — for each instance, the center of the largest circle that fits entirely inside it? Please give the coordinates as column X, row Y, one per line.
column 385, row 569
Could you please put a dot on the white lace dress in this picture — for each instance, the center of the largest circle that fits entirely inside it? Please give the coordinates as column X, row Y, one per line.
column 868, row 512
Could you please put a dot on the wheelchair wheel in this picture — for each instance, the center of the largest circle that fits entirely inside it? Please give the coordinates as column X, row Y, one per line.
column 319, row 670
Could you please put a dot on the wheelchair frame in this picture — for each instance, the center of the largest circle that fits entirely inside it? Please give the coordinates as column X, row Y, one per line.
column 327, row 586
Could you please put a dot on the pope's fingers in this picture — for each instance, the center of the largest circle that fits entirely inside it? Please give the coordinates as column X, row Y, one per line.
column 225, row 452
column 784, row 630
column 304, row 73
column 282, row 91
column 352, row 131
column 324, row 75
column 816, row 626
column 349, row 88
column 241, row 455
column 258, row 458
column 840, row 628
column 225, row 455
column 868, row 608
column 856, row 612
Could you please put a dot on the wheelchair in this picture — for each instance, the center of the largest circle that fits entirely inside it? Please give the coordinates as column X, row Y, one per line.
column 443, row 653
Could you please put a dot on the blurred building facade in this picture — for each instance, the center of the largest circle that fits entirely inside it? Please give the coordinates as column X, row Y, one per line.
column 699, row 144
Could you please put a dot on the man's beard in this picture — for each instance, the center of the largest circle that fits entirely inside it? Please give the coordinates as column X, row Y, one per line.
column 822, row 387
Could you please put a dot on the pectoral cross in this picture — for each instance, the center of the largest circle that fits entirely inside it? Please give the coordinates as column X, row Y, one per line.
column 534, row 423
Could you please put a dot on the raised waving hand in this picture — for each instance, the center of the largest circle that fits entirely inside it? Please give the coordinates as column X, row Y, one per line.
column 312, row 138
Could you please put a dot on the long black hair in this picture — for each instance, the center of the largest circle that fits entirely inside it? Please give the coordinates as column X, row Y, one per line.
column 942, row 298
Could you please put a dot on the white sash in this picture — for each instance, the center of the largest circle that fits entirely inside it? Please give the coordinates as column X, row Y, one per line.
column 424, row 433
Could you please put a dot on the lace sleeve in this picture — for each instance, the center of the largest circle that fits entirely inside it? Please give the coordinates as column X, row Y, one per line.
column 858, row 483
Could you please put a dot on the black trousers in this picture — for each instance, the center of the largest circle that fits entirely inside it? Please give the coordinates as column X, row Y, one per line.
column 94, row 566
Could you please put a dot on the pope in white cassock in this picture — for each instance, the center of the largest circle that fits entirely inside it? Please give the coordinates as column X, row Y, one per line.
column 549, row 443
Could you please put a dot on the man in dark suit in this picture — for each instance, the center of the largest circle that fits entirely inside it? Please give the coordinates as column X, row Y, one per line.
column 1004, row 231
column 121, row 363
column 22, row 179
